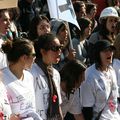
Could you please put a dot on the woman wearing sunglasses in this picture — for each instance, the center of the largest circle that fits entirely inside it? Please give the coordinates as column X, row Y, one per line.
column 46, row 78
column 17, row 80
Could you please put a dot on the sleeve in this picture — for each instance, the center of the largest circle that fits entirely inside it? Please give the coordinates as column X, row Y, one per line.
column 87, row 93
column 75, row 106
column 78, row 49
column 93, row 38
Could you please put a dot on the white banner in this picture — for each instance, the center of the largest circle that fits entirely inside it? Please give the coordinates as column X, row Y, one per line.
column 62, row 9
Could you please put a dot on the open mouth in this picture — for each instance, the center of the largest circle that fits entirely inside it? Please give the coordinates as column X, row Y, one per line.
column 109, row 58
column 113, row 27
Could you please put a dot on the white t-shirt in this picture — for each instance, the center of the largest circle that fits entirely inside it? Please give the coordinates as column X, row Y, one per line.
column 4, row 103
column 3, row 58
column 42, row 89
column 20, row 92
column 72, row 104
column 95, row 92
column 116, row 66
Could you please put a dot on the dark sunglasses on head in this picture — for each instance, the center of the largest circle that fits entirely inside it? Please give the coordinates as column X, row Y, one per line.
column 55, row 48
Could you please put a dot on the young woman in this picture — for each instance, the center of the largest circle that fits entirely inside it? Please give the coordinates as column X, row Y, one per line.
column 4, row 27
column 72, row 74
column 18, row 81
column 80, row 44
column 46, row 78
column 91, row 10
column 107, row 29
column 99, row 91
column 39, row 26
column 60, row 29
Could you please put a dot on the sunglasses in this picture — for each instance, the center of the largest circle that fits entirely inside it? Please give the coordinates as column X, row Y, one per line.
column 33, row 54
column 55, row 48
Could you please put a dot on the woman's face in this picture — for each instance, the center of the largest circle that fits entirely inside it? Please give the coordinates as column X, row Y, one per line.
column 63, row 35
column 93, row 12
column 52, row 56
column 111, row 24
column 82, row 12
column 106, row 56
column 30, row 59
column 87, row 31
column 43, row 27
column 4, row 22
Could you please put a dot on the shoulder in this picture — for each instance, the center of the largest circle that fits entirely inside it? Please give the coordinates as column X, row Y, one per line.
column 90, row 71
column 94, row 37
column 27, row 73
column 75, row 41
column 116, row 62
column 5, row 72
column 55, row 71
column 56, row 75
column 36, row 70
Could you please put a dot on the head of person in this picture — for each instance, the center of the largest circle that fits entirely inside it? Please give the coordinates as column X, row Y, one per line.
column 20, row 51
column 80, row 9
column 48, row 48
column 108, row 20
column 4, row 21
column 85, row 25
column 91, row 10
column 103, row 53
column 59, row 28
column 72, row 75
column 39, row 26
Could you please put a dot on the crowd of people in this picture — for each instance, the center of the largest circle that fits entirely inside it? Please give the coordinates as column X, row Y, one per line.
column 51, row 70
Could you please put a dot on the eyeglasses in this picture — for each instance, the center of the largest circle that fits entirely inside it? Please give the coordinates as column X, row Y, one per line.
column 56, row 48
column 33, row 54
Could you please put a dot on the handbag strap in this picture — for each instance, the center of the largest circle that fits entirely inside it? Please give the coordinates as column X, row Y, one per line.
column 99, row 114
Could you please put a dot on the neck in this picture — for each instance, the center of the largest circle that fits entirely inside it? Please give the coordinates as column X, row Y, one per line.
column 103, row 68
column 17, row 71
column 82, row 37
column 46, row 62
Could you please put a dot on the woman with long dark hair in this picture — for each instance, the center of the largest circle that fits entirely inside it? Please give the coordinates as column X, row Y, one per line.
column 99, row 91
column 72, row 75
column 46, row 77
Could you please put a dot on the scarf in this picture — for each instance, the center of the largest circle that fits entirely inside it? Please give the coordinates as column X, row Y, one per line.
column 53, row 107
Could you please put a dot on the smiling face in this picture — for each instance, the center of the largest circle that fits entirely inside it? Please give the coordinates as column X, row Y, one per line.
column 4, row 22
